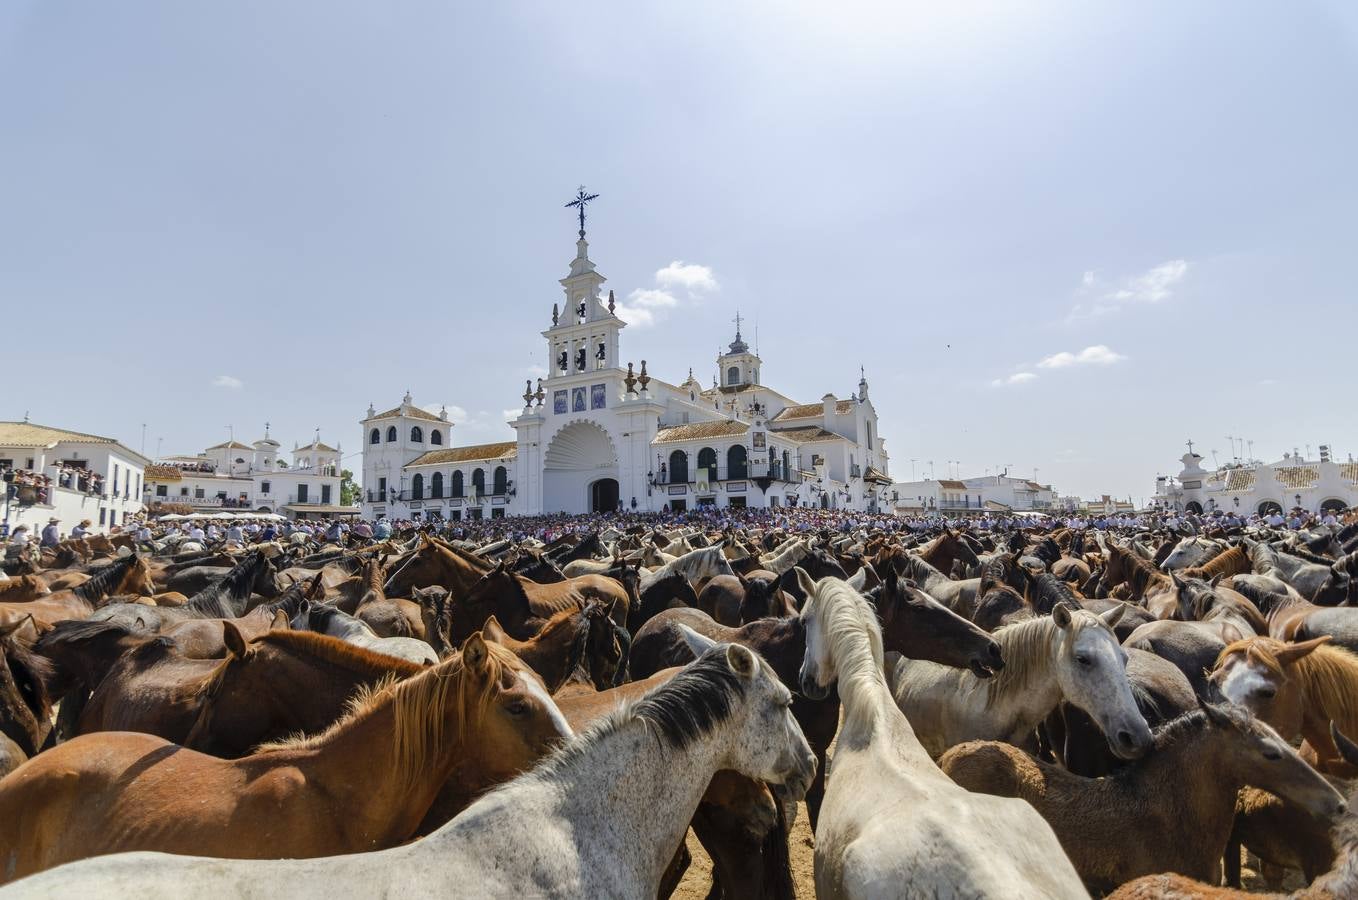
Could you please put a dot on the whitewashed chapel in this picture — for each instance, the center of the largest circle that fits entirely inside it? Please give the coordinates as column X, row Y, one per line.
column 600, row 433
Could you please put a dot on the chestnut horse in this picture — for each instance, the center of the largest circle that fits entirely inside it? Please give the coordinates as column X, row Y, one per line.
column 129, row 575
column 482, row 716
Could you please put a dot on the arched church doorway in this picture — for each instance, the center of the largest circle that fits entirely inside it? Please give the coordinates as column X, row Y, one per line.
column 577, row 457
column 603, row 495
column 1194, row 507
column 1269, row 507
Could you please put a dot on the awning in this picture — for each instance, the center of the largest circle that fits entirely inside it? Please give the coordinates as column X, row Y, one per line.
column 321, row 509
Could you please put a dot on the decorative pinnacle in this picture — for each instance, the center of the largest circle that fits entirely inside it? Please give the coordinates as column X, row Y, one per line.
column 580, row 201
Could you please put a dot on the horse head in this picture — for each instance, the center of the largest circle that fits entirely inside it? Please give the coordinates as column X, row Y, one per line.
column 1091, row 668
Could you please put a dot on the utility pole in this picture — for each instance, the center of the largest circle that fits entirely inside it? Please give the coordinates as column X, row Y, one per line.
column 912, row 468
column 143, row 438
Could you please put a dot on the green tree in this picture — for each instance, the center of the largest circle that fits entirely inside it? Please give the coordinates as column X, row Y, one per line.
column 349, row 492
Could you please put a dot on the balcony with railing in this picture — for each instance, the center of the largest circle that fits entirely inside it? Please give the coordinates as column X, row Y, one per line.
column 714, row 475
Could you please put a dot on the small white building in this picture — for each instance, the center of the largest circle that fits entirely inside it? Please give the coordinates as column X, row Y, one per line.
column 1252, row 487
column 600, row 433
column 69, row 475
column 238, row 476
column 982, row 494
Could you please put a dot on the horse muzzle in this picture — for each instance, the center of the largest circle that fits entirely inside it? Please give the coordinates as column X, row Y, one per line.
column 811, row 689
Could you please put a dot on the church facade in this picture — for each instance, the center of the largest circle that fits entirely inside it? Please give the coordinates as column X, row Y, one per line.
column 602, row 434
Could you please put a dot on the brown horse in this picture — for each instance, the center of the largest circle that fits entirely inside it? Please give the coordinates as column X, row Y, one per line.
column 1153, row 815
column 573, row 636
column 1234, row 561
column 524, row 607
column 387, row 616
column 1147, row 585
column 1299, row 689
column 737, row 599
column 1339, row 883
column 25, row 708
column 23, row 589
column 127, row 576
column 479, row 719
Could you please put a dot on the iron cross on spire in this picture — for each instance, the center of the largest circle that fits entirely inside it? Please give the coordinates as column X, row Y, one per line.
column 737, row 320
column 1190, row 446
column 582, row 198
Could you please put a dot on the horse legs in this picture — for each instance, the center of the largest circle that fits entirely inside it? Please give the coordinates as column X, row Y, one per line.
column 675, row 872
column 743, row 865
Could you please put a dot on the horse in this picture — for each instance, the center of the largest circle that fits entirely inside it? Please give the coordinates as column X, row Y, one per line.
column 1072, row 653
column 129, row 575
column 696, row 565
column 23, row 589
column 227, row 598
column 736, row 599
column 1306, row 576
column 388, row 617
column 602, row 817
column 586, row 636
column 1190, row 552
column 511, row 599
column 25, row 705
column 482, row 715
column 892, row 825
column 959, row 596
column 323, row 618
column 1299, row 689
column 667, row 592
column 1150, row 816
column 1147, row 585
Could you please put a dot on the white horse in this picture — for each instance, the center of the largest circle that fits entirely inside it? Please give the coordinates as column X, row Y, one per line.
column 786, row 556
column 706, row 562
column 892, row 825
column 600, row 818
column 1072, row 653
column 325, row 619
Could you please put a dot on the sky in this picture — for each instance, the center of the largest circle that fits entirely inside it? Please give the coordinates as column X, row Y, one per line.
column 1060, row 238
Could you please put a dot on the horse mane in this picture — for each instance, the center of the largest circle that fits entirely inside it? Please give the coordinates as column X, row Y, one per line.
column 1048, row 590
column 420, row 705
column 1187, row 724
column 1221, row 563
column 211, row 601
column 848, row 619
column 1141, row 570
column 1305, row 554
column 108, row 578
column 337, row 652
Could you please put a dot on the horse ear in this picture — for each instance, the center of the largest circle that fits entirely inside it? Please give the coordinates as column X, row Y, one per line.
column 698, row 643
column 742, row 661
column 805, row 582
column 1061, row 615
column 235, row 644
column 1178, row 582
column 11, row 627
column 1347, row 748
column 1217, row 715
column 1293, row 652
column 859, row 579
column 280, row 621
column 1114, row 615
column 1216, row 579
column 491, row 631
column 474, row 652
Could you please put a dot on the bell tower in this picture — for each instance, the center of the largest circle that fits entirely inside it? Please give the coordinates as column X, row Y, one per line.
column 584, row 336
column 738, row 367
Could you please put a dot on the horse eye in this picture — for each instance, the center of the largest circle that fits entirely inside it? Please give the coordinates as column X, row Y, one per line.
column 1272, row 755
column 517, row 708
column 1084, row 660
column 1267, row 693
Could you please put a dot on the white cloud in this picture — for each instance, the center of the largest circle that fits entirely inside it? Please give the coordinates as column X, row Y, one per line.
column 1156, row 285
column 511, row 414
column 536, row 371
column 691, row 277
column 1016, row 378
column 677, row 283
column 228, row 381
column 1097, row 355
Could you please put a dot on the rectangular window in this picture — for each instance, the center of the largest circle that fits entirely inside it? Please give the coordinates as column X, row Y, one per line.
column 162, row 490
column 302, row 493
column 325, row 493
column 102, row 514
column 382, row 488
column 114, row 491
column 456, row 515
column 183, row 492
column 264, row 488
column 497, row 512
column 475, row 512
column 198, row 493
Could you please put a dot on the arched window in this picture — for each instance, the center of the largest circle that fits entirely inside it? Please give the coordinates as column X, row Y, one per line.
column 458, row 490
column 678, row 467
column 417, row 487
column 707, row 460
column 436, row 486
column 416, row 435
column 391, row 435
column 374, row 436
column 737, row 463
column 733, row 375
column 436, row 437
column 500, row 483
column 479, row 482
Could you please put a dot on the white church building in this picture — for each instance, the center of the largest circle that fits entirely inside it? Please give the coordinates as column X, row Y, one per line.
column 600, row 434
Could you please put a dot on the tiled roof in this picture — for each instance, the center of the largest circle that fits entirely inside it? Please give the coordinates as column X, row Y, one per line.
column 951, row 485
column 163, row 473
column 698, row 431
column 26, row 434
column 230, row 445
column 1240, row 480
column 812, row 410
column 415, row 413
column 1297, row 477
column 474, row 453
column 874, row 474
column 1348, row 471
column 807, row 434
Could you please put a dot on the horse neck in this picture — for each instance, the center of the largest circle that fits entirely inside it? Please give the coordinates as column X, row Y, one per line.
column 862, row 688
column 359, row 766
column 1203, row 806
column 1028, row 679
column 645, row 790
column 1329, row 683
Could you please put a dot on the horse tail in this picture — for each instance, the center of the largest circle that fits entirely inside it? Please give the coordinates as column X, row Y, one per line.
column 778, row 883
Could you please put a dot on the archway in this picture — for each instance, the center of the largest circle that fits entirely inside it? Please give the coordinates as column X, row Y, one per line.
column 1269, row 507
column 578, row 455
column 1194, row 507
column 603, row 495
column 1334, row 505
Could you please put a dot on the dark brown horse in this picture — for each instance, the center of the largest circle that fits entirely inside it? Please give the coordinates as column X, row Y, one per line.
column 25, row 707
